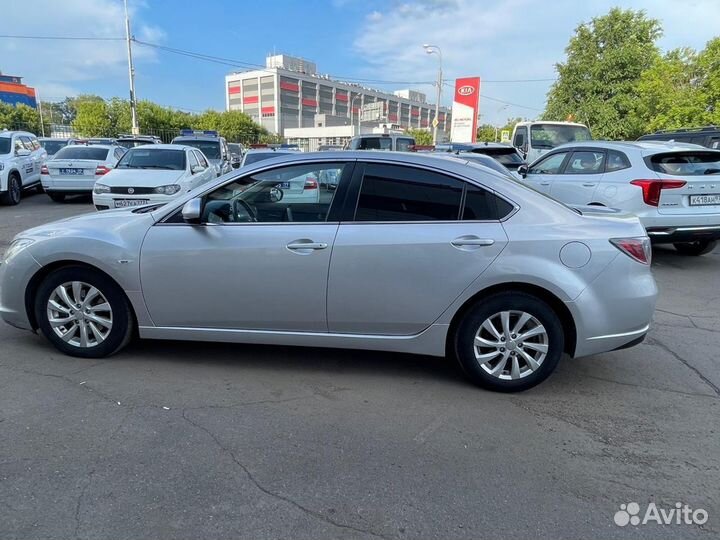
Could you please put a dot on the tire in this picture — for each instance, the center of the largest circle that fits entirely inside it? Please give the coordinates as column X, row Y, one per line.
column 11, row 197
column 39, row 189
column 700, row 247
column 549, row 338
column 114, row 337
column 56, row 197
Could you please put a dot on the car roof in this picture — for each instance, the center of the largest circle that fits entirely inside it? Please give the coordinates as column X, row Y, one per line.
column 162, row 147
column 551, row 122
column 279, row 151
column 197, row 138
column 645, row 147
column 52, row 139
column 103, row 146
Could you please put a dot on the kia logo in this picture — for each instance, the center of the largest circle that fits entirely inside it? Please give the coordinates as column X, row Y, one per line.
column 466, row 90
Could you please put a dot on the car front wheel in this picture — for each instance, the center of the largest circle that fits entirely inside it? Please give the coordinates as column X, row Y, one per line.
column 509, row 342
column 12, row 195
column 701, row 247
column 83, row 313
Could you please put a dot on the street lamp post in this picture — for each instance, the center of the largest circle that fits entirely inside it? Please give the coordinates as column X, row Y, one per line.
column 434, row 49
column 352, row 102
column 131, row 74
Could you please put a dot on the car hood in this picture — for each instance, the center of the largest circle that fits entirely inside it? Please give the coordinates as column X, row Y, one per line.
column 106, row 220
column 141, row 177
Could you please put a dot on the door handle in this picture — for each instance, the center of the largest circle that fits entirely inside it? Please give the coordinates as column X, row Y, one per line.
column 544, row 183
column 589, row 184
column 306, row 245
column 472, row 241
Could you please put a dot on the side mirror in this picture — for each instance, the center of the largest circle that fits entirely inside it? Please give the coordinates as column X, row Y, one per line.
column 522, row 170
column 21, row 152
column 197, row 168
column 192, row 210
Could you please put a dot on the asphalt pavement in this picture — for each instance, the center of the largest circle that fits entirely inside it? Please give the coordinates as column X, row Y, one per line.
column 178, row 440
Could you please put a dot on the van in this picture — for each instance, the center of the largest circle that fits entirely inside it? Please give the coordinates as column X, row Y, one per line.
column 533, row 139
column 392, row 142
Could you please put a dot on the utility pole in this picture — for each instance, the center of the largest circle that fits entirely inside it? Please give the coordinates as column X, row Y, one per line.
column 434, row 49
column 131, row 74
column 39, row 104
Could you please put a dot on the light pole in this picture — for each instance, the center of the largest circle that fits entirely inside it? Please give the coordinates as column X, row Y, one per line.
column 434, row 49
column 352, row 101
column 131, row 74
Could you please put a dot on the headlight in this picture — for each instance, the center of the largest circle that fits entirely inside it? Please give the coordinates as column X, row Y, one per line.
column 16, row 247
column 101, row 188
column 171, row 189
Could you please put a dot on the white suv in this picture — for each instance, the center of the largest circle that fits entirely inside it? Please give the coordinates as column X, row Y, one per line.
column 21, row 158
column 674, row 188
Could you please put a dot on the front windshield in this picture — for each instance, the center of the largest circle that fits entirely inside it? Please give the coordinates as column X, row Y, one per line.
column 552, row 135
column 145, row 158
column 259, row 156
column 5, row 145
column 52, row 147
column 211, row 149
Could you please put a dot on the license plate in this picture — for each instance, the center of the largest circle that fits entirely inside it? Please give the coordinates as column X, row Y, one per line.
column 705, row 200
column 285, row 185
column 76, row 172
column 125, row 203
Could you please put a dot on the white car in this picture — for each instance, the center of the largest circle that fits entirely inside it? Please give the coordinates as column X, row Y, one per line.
column 21, row 157
column 153, row 173
column 74, row 169
column 674, row 188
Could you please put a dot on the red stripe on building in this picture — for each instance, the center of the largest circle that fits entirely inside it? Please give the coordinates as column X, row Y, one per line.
column 355, row 110
column 309, row 102
column 250, row 99
column 233, row 89
column 392, row 117
column 290, row 87
column 267, row 110
column 341, row 97
column 415, row 112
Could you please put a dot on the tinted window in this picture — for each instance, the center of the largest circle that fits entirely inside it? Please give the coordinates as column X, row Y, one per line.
column 210, row 148
column 119, row 152
column 143, row 158
column 254, row 157
column 53, row 146
column 487, row 161
column 586, row 162
column 27, row 143
column 201, row 159
column 82, row 152
column 520, row 137
column 506, row 156
column 5, row 143
column 479, row 204
column 403, row 145
column 393, row 193
column 616, row 161
column 193, row 160
column 371, row 143
column 549, row 165
column 686, row 163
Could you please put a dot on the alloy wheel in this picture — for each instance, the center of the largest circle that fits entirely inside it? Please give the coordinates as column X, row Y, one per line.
column 79, row 314
column 511, row 345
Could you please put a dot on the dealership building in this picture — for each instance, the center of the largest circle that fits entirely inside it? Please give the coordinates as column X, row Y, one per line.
column 14, row 92
column 290, row 98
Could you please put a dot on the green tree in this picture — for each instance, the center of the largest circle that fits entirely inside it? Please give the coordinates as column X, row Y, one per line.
column 422, row 137
column 92, row 117
column 598, row 82
column 19, row 117
column 486, row 133
column 235, row 126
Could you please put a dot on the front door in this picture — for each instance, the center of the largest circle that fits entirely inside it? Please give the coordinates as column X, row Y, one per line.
column 255, row 262
column 543, row 173
column 409, row 250
column 580, row 178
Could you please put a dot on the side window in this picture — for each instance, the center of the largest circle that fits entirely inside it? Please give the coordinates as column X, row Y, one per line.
column 18, row 144
column 119, row 153
column 482, row 205
column 714, row 142
column 403, row 145
column 550, row 165
column 616, row 161
column 27, row 143
column 282, row 195
column 520, row 137
column 586, row 162
column 392, row 193
column 35, row 143
column 192, row 160
column 201, row 159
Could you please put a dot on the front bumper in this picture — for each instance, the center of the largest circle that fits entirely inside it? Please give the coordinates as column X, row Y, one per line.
column 15, row 275
column 106, row 201
column 667, row 235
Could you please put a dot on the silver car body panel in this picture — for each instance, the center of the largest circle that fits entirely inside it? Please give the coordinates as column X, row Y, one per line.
column 401, row 296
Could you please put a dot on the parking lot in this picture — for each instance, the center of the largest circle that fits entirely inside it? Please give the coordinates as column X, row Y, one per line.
column 196, row 440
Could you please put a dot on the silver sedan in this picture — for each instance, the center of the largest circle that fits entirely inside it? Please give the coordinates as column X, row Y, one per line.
column 410, row 253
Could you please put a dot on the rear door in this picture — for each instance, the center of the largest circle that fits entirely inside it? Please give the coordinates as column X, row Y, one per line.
column 700, row 170
column 31, row 163
column 403, row 252
column 580, row 177
column 543, row 173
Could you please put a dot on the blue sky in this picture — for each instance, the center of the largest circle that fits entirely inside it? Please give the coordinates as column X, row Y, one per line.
column 498, row 40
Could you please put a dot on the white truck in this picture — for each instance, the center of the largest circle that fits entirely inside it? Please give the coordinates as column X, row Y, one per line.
column 533, row 139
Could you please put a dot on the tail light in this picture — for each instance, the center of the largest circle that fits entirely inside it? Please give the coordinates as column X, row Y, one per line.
column 310, row 183
column 635, row 248
column 44, row 170
column 102, row 169
column 651, row 189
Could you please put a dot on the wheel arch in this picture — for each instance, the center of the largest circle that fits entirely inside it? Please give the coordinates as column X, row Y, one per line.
column 562, row 311
column 34, row 283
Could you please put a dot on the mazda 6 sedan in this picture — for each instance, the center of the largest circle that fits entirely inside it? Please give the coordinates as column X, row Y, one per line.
column 411, row 253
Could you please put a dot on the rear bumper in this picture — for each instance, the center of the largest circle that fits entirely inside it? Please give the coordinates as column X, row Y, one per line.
column 667, row 235
column 75, row 186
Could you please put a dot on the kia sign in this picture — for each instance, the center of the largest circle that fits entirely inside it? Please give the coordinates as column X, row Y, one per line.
column 465, row 110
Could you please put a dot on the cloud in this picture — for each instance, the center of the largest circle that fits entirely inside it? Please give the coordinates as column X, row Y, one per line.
column 503, row 39
column 55, row 67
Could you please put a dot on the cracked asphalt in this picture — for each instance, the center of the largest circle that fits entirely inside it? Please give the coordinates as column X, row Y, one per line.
column 186, row 441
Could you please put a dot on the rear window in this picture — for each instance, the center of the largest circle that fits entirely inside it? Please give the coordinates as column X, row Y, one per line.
column 371, row 143
column 82, row 152
column 506, row 156
column 685, row 163
column 52, row 147
column 211, row 149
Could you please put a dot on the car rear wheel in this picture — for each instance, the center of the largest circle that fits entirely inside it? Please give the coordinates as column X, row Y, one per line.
column 57, row 197
column 12, row 196
column 509, row 342
column 701, row 247
column 83, row 313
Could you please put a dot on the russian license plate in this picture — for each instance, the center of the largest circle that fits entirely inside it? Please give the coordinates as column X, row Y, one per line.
column 125, row 203
column 705, row 200
column 285, row 185
column 76, row 172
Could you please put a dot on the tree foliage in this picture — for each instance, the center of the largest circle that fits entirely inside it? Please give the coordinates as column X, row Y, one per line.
column 19, row 117
column 423, row 137
column 598, row 84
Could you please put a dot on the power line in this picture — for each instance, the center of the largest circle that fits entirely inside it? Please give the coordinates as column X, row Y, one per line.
column 64, row 38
